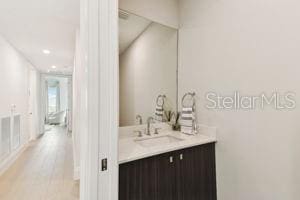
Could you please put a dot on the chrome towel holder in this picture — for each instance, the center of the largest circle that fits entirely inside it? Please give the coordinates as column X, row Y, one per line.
column 160, row 97
column 189, row 94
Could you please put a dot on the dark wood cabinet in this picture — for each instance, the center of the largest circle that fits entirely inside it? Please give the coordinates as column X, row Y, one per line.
column 137, row 180
column 187, row 174
column 166, row 173
column 197, row 173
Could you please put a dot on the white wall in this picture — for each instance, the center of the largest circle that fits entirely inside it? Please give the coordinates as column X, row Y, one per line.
column 164, row 12
column 64, row 85
column 14, row 85
column 79, row 122
column 251, row 46
column 147, row 69
column 14, row 90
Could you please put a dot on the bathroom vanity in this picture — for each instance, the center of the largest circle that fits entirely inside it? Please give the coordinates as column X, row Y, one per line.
column 177, row 169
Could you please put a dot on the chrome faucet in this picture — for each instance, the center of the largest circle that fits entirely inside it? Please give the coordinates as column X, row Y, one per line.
column 139, row 119
column 149, row 121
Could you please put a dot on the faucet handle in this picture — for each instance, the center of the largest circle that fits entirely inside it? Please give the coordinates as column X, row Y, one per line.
column 139, row 119
column 140, row 134
column 156, row 130
column 150, row 119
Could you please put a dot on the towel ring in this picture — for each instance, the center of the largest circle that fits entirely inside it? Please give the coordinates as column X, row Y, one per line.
column 192, row 95
column 160, row 97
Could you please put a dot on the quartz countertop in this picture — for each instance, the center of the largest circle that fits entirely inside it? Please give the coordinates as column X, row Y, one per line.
column 130, row 150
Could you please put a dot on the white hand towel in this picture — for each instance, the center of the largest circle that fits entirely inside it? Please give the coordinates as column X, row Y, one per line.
column 159, row 113
column 187, row 120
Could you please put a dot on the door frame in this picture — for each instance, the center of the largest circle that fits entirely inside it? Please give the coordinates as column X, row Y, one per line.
column 99, row 45
column 42, row 97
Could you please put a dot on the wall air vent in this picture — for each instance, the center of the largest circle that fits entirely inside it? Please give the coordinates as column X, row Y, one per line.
column 5, row 139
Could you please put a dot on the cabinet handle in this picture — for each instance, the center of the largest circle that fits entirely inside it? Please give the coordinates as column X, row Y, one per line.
column 171, row 159
column 181, row 156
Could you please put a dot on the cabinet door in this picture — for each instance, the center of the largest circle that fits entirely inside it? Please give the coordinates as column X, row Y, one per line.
column 197, row 173
column 166, row 174
column 137, row 180
column 210, row 171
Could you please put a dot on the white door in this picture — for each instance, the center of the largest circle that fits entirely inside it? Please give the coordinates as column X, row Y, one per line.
column 32, row 103
column 43, row 102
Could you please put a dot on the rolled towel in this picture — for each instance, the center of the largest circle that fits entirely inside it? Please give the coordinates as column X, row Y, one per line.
column 159, row 113
column 187, row 120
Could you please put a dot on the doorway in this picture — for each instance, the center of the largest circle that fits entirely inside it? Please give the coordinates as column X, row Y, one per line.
column 57, row 102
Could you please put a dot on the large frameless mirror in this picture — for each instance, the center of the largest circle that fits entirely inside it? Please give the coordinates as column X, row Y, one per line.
column 148, row 70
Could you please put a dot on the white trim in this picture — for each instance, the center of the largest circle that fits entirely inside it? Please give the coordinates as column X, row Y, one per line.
column 99, row 42
column 9, row 161
column 76, row 175
column 109, row 101
column 58, row 75
column 89, row 142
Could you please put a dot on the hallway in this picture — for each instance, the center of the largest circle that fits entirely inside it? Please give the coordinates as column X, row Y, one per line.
column 43, row 172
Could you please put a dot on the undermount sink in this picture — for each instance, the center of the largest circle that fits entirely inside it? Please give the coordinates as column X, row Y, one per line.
column 157, row 141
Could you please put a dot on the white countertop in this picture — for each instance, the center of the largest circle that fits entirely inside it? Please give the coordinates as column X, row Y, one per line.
column 130, row 150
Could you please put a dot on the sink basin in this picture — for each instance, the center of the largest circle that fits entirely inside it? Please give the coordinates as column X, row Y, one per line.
column 157, row 141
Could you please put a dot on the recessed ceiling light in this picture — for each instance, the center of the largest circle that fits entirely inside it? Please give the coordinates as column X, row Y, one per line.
column 53, row 67
column 46, row 51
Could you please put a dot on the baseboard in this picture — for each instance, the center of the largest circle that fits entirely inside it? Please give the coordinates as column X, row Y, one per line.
column 76, row 175
column 9, row 161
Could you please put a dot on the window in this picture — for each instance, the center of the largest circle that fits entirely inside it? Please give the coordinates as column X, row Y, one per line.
column 52, row 99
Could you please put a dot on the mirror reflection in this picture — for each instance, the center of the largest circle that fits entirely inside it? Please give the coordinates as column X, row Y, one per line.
column 148, row 70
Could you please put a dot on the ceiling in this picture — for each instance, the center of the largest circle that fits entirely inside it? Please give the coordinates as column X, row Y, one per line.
column 130, row 28
column 32, row 26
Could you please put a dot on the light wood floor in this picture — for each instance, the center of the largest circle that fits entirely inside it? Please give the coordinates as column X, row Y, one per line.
column 43, row 172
